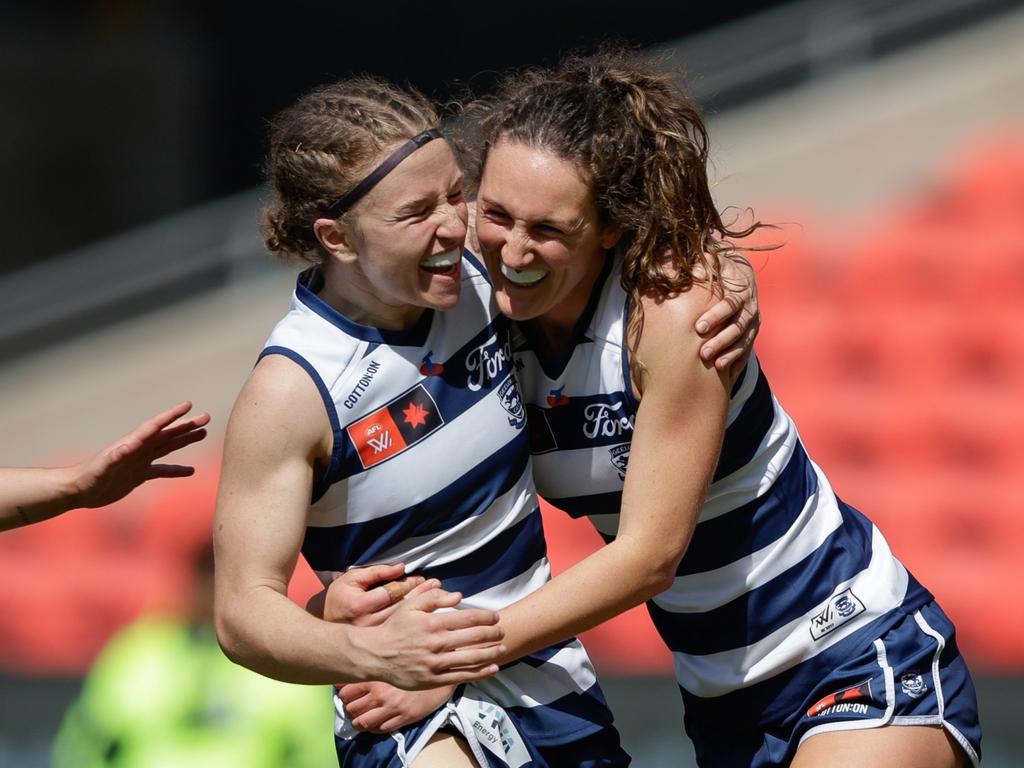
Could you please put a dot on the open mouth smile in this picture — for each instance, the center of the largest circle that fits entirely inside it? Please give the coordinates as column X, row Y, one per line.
column 523, row 278
column 446, row 263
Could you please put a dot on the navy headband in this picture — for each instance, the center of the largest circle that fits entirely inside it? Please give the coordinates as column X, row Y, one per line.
column 349, row 199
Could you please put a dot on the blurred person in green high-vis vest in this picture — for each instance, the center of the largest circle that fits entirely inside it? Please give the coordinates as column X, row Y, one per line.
column 163, row 695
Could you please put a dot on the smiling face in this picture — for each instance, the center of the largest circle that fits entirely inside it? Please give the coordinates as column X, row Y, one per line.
column 399, row 251
column 539, row 233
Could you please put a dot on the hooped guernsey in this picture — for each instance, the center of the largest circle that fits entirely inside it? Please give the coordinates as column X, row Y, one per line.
column 431, row 467
column 781, row 579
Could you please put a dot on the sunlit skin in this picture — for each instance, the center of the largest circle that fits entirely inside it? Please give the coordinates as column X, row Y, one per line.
column 375, row 272
column 535, row 211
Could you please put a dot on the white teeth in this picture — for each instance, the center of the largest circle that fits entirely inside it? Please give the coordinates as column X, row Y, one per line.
column 523, row 276
column 442, row 260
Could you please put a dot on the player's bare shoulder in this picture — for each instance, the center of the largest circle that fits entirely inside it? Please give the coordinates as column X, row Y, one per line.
column 668, row 322
column 281, row 407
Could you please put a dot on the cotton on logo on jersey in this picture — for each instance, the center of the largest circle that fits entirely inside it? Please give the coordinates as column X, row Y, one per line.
column 395, row 427
column 845, row 701
column 361, row 386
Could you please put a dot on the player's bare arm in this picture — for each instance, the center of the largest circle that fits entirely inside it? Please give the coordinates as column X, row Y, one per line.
column 672, row 459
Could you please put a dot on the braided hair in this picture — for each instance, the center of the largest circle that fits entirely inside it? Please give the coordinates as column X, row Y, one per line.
column 321, row 147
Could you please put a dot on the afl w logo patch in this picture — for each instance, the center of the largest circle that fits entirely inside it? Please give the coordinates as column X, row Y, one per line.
column 382, row 443
column 395, row 427
column 838, row 610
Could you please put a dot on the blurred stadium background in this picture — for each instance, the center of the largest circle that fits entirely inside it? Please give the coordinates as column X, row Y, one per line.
column 886, row 138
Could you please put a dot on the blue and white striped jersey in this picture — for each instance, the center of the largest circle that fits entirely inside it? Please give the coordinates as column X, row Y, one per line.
column 431, row 467
column 778, row 568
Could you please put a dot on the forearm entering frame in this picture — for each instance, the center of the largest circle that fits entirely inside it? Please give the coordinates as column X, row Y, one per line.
column 33, row 494
column 260, row 628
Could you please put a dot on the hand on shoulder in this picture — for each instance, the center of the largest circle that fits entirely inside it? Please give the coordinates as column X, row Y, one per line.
column 669, row 345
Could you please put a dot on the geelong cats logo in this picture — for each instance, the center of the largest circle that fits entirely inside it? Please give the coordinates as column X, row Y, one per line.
column 512, row 402
column 619, row 456
column 913, row 684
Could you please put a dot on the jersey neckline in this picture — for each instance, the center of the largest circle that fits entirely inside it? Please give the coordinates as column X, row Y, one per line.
column 311, row 280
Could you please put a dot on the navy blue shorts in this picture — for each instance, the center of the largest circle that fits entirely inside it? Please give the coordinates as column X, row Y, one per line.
column 495, row 736
column 909, row 673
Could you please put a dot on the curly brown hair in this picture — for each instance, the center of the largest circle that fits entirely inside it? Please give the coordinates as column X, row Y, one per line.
column 643, row 146
column 321, row 146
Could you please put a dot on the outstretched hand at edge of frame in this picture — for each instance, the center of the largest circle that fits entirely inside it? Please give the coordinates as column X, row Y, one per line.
column 30, row 494
column 129, row 462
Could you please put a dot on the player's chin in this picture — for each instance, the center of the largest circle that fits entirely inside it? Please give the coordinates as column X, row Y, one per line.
column 442, row 298
column 517, row 307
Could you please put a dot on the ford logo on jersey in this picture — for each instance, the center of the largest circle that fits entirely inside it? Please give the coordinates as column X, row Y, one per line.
column 606, row 420
column 485, row 362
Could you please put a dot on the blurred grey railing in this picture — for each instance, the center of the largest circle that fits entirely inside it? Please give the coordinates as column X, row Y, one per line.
column 751, row 57
column 147, row 267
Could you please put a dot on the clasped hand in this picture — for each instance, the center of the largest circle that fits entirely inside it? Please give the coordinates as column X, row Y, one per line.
column 409, row 641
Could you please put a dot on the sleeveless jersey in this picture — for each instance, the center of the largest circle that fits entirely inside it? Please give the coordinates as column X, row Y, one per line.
column 431, row 467
column 778, row 569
